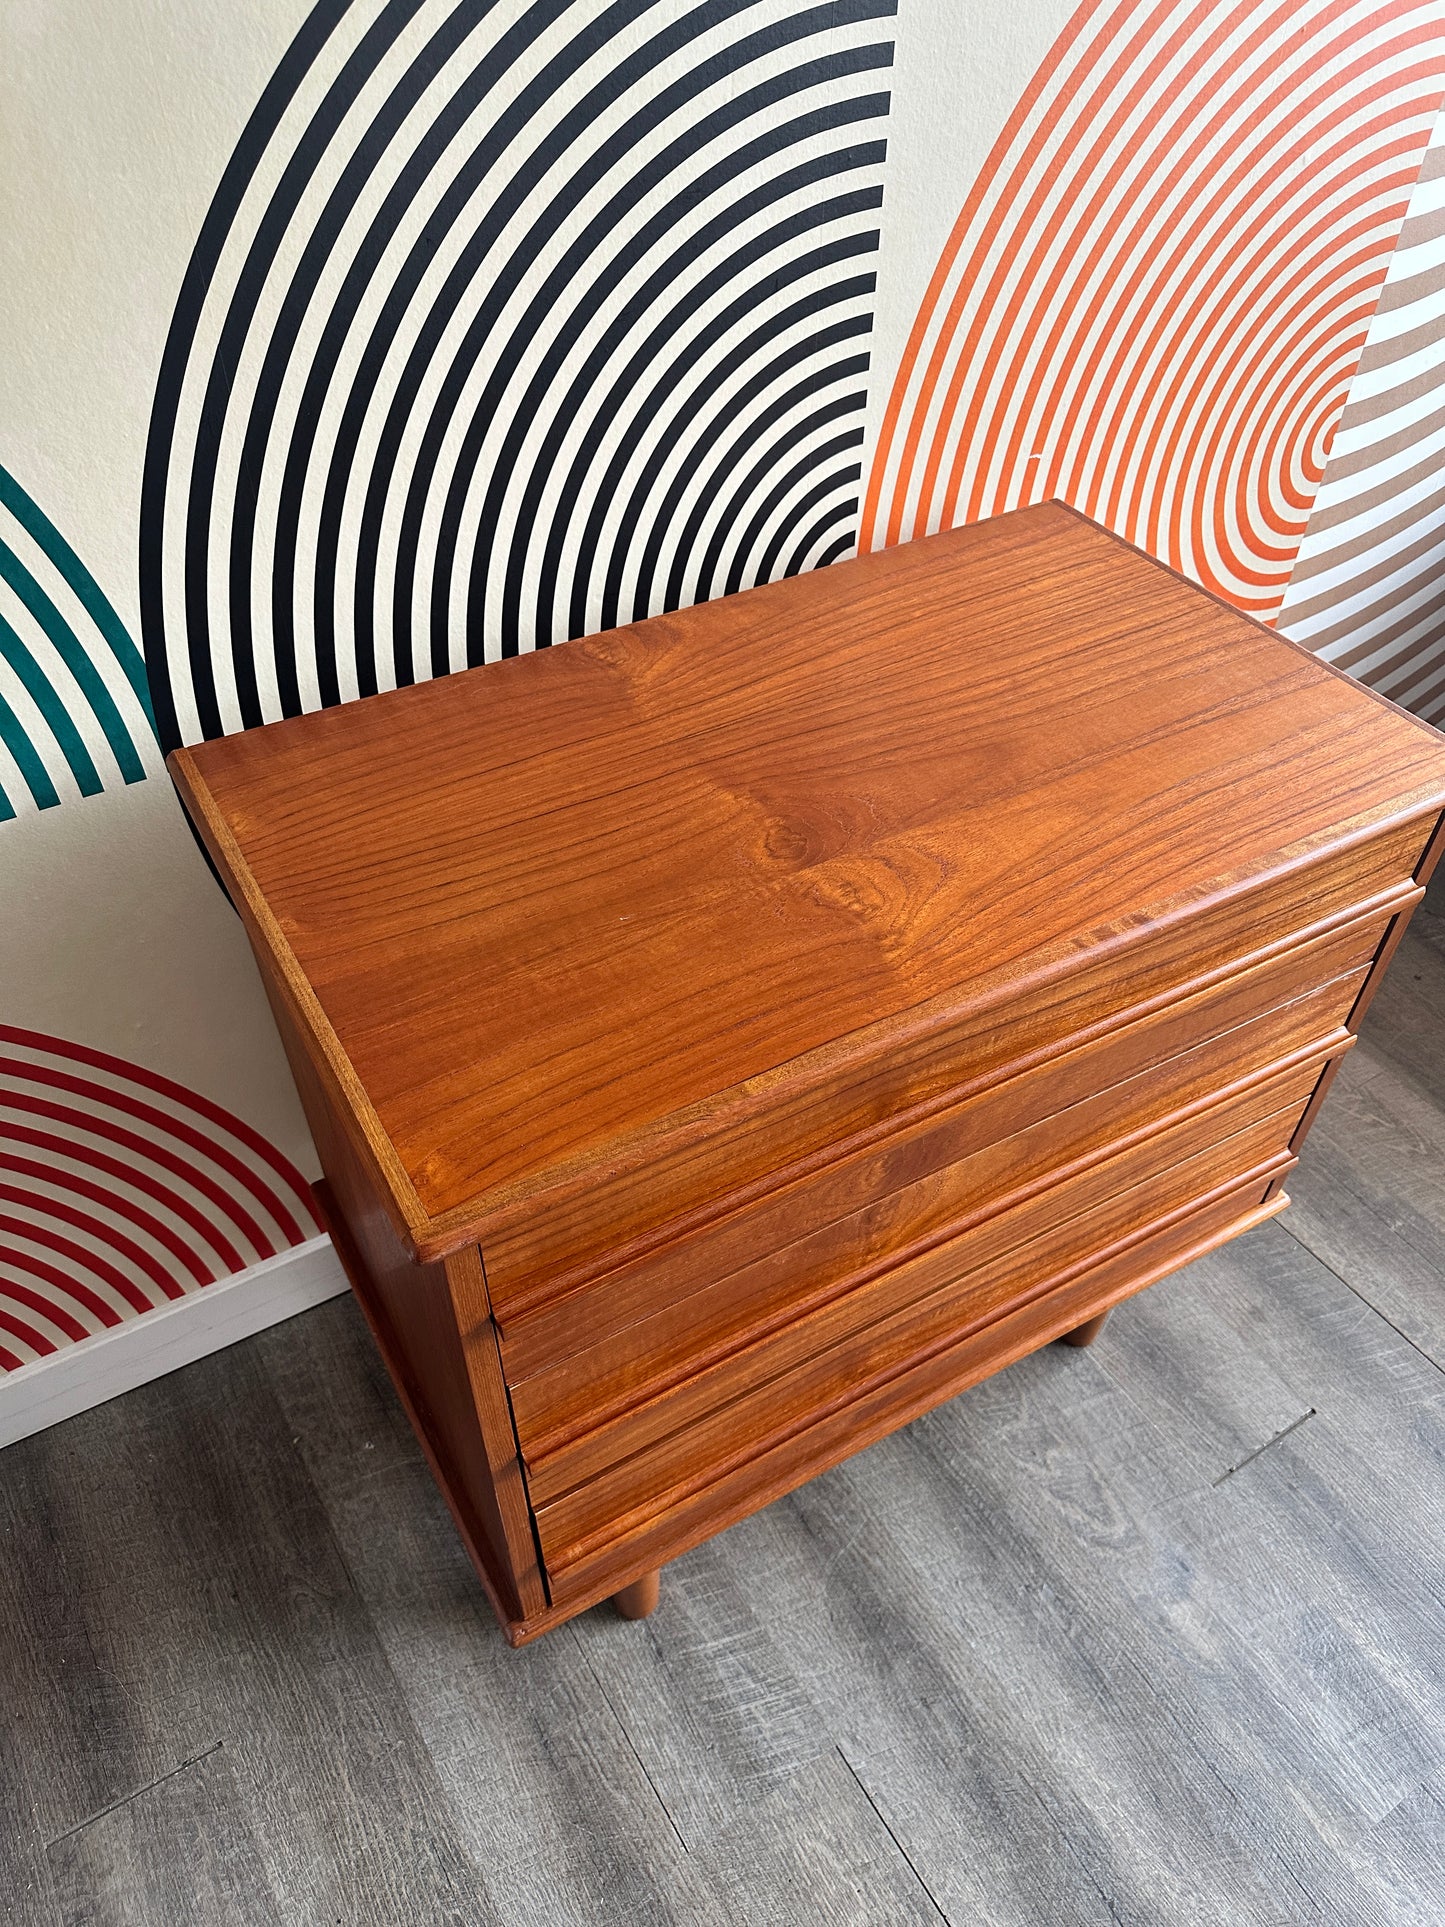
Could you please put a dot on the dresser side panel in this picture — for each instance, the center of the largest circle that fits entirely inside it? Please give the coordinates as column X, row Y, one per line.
column 468, row 1441
column 481, row 1353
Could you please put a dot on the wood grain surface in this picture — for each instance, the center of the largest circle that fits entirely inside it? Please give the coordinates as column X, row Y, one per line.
column 659, row 1183
column 729, row 1036
column 858, row 1339
column 658, row 1535
column 433, row 1326
column 559, row 902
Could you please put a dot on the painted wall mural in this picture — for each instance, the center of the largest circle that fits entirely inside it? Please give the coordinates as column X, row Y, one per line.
column 1368, row 586
column 1157, row 292
column 75, row 712
column 508, row 324
column 119, row 1190
column 432, row 331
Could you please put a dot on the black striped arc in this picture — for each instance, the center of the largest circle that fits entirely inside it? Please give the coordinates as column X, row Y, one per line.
column 568, row 324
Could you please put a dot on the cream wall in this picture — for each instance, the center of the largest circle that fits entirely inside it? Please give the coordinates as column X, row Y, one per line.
column 116, row 121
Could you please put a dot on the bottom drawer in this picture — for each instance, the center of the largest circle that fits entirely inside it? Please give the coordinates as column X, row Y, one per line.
column 589, row 1571
column 608, row 1482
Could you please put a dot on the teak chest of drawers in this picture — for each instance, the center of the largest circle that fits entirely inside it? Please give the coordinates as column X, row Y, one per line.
column 728, row 1036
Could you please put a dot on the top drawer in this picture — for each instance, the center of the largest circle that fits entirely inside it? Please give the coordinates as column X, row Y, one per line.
column 1006, row 1135
column 660, row 1184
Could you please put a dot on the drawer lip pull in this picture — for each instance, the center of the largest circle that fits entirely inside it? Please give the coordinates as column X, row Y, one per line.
column 547, row 1458
column 542, row 1447
column 512, row 1305
column 560, row 1560
column 579, row 1584
column 1082, row 1098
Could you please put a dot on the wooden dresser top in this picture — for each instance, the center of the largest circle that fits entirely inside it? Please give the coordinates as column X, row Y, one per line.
column 529, row 907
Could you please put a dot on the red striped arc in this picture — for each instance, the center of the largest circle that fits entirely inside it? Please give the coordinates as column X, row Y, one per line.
column 148, row 1221
column 1158, row 289
column 53, row 1309
column 76, row 1289
column 121, row 1190
column 167, row 1197
column 44, row 1215
column 81, row 1122
column 209, row 1145
column 80, row 1256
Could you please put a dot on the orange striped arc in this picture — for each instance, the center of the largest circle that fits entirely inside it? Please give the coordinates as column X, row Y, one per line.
column 1155, row 297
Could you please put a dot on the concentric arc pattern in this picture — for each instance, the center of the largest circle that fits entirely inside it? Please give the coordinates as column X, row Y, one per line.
column 119, row 1190
column 1368, row 588
column 510, row 322
column 74, row 707
column 1156, row 294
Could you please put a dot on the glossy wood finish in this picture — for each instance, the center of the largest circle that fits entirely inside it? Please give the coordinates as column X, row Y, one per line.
column 711, row 1292
column 784, row 1125
column 728, row 1035
column 855, row 1269
column 1237, row 1022
column 432, row 1325
column 593, row 1491
column 710, row 845
column 931, row 1380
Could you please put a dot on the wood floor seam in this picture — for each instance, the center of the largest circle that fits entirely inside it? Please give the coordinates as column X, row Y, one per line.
column 903, row 1852
column 1364, row 1299
column 1250, row 1457
column 631, row 1743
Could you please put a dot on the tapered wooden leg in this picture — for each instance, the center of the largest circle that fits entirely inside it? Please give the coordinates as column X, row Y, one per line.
column 640, row 1598
column 1086, row 1333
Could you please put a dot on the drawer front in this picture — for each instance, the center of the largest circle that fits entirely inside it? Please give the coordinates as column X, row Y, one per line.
column 1050, row 1114
column 596, row 1486
column 589, row 1570
column 666, row 1180
column 967, row 1204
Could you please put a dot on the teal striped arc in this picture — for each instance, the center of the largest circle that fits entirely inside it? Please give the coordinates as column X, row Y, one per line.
column 75, row 708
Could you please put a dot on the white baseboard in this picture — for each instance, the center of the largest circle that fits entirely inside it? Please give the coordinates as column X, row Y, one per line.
column 114, row 1361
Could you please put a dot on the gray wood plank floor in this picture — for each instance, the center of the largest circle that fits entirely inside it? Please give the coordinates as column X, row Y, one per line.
column 1153, row 1633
